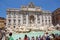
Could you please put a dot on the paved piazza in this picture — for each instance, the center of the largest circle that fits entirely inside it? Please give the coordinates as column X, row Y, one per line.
column 28, row 18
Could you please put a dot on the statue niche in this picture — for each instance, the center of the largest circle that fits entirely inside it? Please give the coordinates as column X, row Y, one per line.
column 31, row 18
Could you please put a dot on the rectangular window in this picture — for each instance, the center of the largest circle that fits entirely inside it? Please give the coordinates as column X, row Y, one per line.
column 38, row 21
column 45, row 17
column 14, row 26
column 49, row 17
column 24, row 22
column 38, row 18
column 18, row 22
column 24, row 19
column 9, row 22
column 14, row 22
column 14, row 14
column 49, row 21
column 9, row 14
column 19, row 15
column 46, row 21
column 42, row 21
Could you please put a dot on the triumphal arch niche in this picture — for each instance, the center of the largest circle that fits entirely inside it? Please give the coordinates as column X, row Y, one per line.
column 31, row 19
column 32, row 13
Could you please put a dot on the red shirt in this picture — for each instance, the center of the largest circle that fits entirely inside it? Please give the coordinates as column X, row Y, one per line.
column 25, row 38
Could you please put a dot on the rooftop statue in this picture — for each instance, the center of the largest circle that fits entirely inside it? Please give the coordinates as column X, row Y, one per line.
column 31, row 5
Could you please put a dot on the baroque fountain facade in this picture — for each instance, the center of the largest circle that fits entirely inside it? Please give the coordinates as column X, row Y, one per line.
column 28, row 18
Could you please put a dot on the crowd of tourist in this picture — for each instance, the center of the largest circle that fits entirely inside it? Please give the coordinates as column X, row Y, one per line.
column 46, row 36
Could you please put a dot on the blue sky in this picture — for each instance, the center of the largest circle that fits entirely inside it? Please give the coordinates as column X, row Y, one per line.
column 50, row 5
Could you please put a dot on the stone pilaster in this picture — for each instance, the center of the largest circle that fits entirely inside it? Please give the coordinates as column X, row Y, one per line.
column 27, row 20
column 40, row 20
column 16, row 20
column 36, row 19
column 21, row 19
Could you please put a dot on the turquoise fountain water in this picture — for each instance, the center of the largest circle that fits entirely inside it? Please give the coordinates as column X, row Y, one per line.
column 21, row 35
column 30, row 34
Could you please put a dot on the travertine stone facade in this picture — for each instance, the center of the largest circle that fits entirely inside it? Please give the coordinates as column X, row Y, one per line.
column 28, row 15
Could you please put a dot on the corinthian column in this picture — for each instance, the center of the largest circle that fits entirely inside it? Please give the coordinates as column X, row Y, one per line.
column 27, row 20
column 41, row 20
column 36, row 19
column 21, row 19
